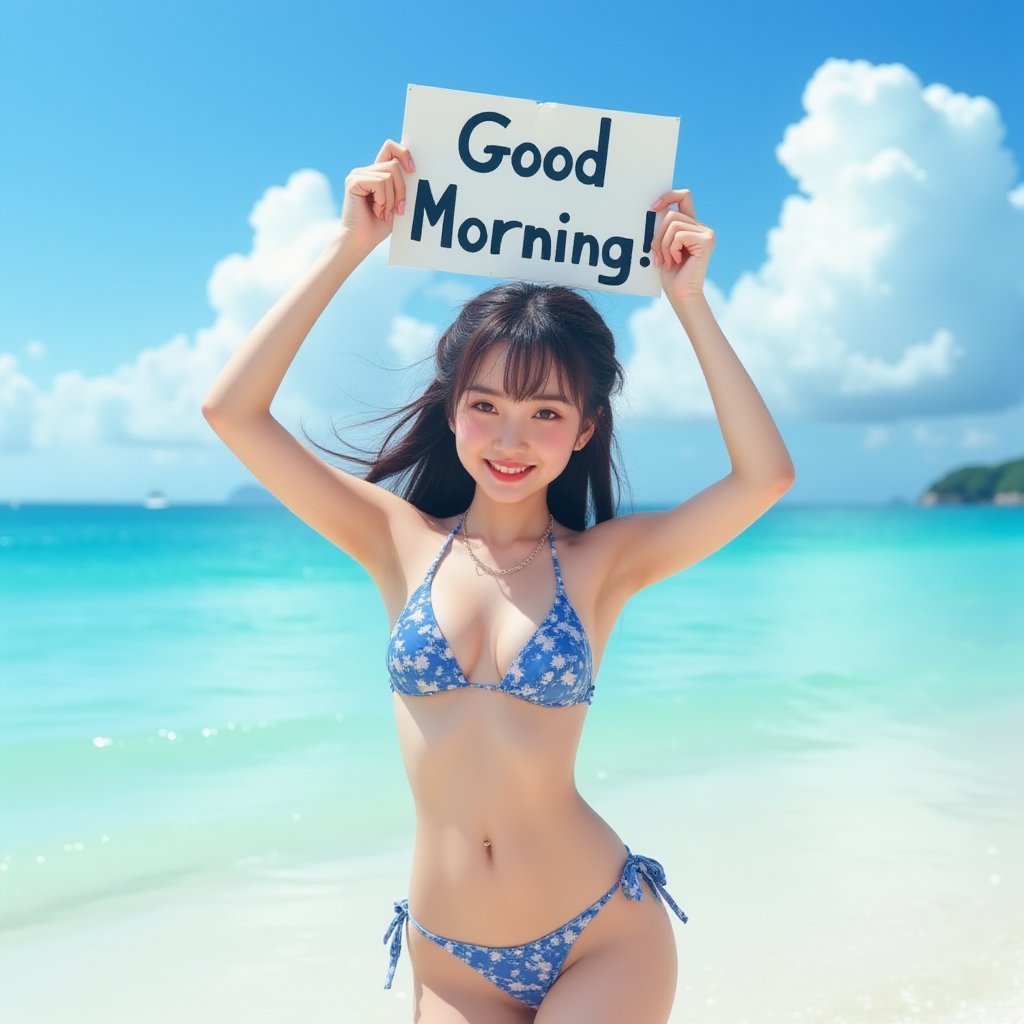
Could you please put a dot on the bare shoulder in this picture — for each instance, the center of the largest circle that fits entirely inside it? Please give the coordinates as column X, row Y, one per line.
column 588, row 555
column 588, row 561
column 417, row 538
column 590, row 547
column 420, row 535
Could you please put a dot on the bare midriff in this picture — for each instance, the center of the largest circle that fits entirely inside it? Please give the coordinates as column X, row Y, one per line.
column 506, row 848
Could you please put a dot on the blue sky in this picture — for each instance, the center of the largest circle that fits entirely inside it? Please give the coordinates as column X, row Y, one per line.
column 144, row 147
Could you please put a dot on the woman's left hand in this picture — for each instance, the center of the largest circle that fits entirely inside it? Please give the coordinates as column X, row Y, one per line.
column 682, row 246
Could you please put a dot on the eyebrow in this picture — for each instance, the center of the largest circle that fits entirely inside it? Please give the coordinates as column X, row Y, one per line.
column 533, row 398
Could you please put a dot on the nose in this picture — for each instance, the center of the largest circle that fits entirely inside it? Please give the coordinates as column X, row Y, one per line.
column 509, row 440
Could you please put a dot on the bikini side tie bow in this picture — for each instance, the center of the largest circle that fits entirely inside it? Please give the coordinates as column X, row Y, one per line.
column 637, row 867
column 397, row 926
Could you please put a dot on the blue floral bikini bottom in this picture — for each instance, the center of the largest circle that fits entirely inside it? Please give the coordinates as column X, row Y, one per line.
column 528, row 972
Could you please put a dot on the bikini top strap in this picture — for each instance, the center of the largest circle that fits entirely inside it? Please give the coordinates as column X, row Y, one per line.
column 554, row 558
column 444, row 548
column 551, row 537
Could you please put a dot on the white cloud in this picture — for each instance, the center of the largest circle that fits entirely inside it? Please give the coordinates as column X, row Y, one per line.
column 412, row 339
column 155, row 399
column 893, row 285
column 924, row 434
column 35, row 349
column 971, row 436
column 450, row 289
column 876, row 437
column 663, row 378
column 18, row 397
column 868, row 374
column 976, row 437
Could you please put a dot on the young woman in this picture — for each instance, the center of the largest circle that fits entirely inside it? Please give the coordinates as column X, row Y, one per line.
column 528, row 905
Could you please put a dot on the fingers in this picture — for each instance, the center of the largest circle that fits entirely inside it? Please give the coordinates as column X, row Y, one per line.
column 374, row 185
column 393, row 156
column 667, row 246
column 661, row 246
column 672, row 246
column 387, row 200
column 392, row 149
column 681, row 195
column 678, row 238
column 384, row 182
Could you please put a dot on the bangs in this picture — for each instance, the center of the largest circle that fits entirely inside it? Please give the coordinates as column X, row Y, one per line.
column 553, row 340
column 530, row 357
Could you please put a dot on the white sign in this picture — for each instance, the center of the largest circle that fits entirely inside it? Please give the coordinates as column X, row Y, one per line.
column 544, row 192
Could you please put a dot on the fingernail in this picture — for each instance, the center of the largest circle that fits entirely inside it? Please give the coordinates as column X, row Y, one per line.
column 401, row 206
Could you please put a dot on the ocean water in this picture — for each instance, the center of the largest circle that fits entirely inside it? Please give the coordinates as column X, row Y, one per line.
column 186, row 690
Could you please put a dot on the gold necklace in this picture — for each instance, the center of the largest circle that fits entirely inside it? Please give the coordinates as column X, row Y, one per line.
column 481, row 568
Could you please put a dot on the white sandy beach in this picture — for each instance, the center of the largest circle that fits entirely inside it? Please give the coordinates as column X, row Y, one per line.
column 828, row 892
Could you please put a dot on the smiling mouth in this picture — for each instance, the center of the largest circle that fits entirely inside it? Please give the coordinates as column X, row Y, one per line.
column 507, row 472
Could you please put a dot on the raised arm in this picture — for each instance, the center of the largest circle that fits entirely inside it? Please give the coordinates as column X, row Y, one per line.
column 359, row 517
column 641, row 549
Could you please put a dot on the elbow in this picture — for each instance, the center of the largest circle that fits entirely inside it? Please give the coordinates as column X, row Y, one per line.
column 785, row 479
column 221, row 408
column 773, row 487
column 210, row 409
column 214, row 416
column 783, row 475
column 210, row 415
column 773, row 483
column 784, row 483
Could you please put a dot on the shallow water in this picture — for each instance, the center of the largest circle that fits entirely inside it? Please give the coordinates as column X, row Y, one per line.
column 186, row 687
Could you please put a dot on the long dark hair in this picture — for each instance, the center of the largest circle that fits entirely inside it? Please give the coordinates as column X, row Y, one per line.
column 542, row 325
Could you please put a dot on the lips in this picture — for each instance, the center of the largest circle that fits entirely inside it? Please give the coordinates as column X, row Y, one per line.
column 508, row 471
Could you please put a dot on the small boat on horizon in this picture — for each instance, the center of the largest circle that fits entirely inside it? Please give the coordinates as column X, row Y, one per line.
column 155, row 499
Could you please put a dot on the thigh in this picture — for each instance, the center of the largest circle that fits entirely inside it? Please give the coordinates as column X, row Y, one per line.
column 632, row 978
column 448, row 991
column 454, row 1006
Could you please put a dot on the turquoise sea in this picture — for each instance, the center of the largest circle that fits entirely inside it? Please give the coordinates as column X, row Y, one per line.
column 189, row 689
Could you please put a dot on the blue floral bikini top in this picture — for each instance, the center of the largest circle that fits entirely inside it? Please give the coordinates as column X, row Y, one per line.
column 554, row 668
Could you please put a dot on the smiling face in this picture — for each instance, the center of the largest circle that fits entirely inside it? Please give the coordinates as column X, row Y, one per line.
column 514, row 448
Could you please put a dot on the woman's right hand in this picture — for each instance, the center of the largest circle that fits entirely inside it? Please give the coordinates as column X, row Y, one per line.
column 374, row 194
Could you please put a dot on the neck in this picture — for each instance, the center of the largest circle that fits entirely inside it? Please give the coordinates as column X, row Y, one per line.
column 502, row 525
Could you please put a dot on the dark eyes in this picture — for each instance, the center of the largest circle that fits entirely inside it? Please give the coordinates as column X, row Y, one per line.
column 542, row 413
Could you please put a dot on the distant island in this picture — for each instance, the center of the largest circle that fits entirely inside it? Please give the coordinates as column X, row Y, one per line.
column 251, row 494
column 979, row 485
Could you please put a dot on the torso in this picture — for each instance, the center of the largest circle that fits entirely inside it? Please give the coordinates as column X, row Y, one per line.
column 506, row 848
